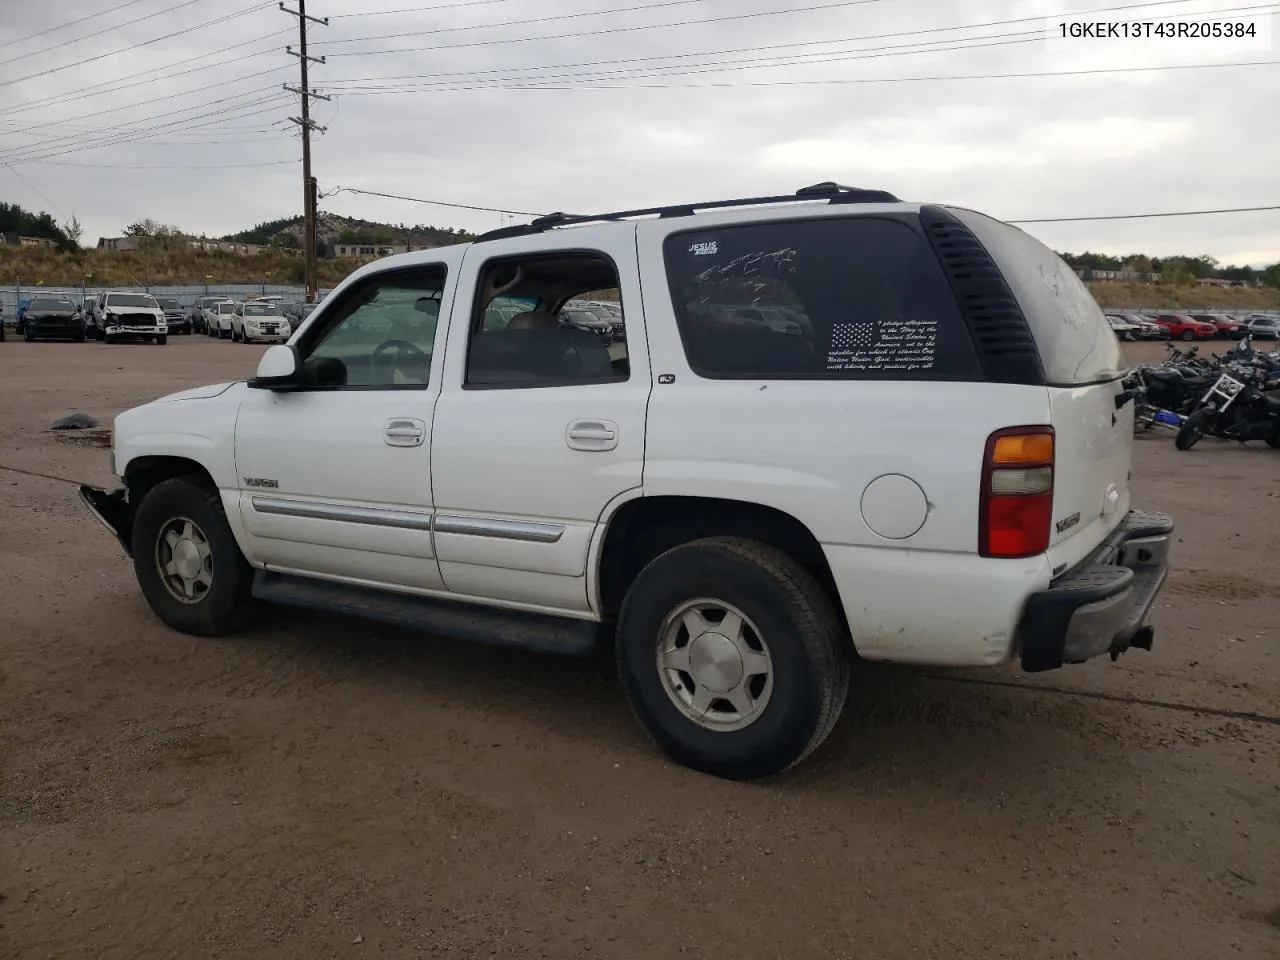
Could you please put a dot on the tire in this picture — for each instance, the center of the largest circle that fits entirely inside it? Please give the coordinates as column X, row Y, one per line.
column 220, row 589
column 162, row 339
column 27, row 335
column 791, row 619
column 99, row 334
column 1188, row 335
column 106, row 338
column 1192, row 429
column 79, row 338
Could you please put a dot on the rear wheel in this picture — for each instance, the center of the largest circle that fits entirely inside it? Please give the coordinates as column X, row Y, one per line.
column 1192, row 429
column 187, row 561
column 732, row 657
column 1188, row 334
column 162, row 339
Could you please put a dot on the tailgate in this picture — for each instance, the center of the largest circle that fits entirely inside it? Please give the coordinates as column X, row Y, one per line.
column 1093, row 444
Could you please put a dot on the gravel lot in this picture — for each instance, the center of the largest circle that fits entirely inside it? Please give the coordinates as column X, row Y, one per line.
column 325, row 788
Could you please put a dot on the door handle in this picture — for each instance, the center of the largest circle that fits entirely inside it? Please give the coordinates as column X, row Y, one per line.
column 591, row 435
column 404, row 433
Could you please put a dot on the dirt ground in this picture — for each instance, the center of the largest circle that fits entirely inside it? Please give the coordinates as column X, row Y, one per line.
column 319, row 787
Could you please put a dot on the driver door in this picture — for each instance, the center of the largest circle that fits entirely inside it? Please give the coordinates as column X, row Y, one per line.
column 335, row 478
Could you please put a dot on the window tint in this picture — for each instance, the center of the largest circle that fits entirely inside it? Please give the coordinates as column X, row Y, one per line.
column 382, row 334
column 39, row 306
column 522, row 336
column 1074, row 343
column 847, row 298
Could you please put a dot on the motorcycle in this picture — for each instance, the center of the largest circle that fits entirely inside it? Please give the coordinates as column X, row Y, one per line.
column 1243, row 404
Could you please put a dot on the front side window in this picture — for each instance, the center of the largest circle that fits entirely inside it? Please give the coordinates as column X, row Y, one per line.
column 382, row 334
column 843, row 298
column 521, row 335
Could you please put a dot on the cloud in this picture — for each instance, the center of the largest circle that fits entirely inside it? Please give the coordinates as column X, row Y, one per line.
column 671, row 104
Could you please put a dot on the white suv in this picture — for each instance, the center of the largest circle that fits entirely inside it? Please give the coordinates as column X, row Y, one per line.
column 930, row 465
column 259, row 321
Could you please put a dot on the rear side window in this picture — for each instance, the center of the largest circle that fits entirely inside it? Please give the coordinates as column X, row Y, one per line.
column 842, row 298
column 1075, row 343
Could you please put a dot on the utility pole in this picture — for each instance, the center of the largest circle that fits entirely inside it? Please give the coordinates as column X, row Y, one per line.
column 307, row 124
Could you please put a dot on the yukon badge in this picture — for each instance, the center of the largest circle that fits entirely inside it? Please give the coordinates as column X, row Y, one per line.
column 260, row 482
column 1066, row 523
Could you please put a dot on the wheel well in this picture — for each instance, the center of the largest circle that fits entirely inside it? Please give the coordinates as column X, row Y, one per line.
column 644, row 528
column 146, row 472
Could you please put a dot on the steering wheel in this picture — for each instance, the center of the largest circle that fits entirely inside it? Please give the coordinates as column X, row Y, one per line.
column 406, row 355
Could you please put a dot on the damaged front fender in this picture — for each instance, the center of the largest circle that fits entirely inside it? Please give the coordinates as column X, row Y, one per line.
column 113, row 511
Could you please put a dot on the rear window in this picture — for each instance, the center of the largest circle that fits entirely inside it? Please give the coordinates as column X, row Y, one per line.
column 1075, row 343
column 841, row 298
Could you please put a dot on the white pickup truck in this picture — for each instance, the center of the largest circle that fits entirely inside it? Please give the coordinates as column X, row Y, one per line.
column 922, row 457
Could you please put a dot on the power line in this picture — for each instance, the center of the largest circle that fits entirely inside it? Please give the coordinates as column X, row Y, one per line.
column 659, row 5
column 97, row 90
column 36, row 191
column 757, row 49
column 1147, row 216
column 138, row 103
column 587, row 33
column 166, row 166
column 306, row 125
column 431, row 9
column 115, row 138
column 435, row 203
column 142, row 43
column 89, row 36
column 108, row 133
column 69, row 23
column 836, row 81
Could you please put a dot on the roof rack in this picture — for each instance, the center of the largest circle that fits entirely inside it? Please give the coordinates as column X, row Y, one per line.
column 827, row 191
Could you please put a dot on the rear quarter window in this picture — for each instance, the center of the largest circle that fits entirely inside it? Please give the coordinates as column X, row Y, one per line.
column 1072, row 336
column 838, row 298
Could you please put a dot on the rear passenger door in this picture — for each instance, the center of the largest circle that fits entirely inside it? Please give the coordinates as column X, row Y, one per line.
column 538, row 426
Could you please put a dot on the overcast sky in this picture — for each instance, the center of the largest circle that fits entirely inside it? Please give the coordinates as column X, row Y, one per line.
column 605, row 105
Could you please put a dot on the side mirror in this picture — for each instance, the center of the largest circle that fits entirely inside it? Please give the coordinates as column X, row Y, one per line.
column 279, row 369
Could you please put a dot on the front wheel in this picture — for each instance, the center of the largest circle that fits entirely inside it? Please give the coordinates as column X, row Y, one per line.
column 732, row 657
column 1193, row 429
column 187, row 561
column 162, row 339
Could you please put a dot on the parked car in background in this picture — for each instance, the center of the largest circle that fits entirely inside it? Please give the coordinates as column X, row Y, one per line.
column 1122, row 328
column 197, row 315
column 1263, row 328
column 174, row 316
column 259, row 321
column 1228, row 328
column 52, row 318
column 1143, row 327
column 128, row 316
column 1183, row 327
column 211, row 315
column 298, row 311
column 219, row 318
column 586, row 320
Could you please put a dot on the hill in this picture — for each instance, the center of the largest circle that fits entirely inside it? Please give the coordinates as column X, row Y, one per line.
column 332, row 228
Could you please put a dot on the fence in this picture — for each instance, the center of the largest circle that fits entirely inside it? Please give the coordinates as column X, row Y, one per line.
column 186, row 295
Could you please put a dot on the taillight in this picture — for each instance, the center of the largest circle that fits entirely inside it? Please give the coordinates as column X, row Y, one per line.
column 1016, row 506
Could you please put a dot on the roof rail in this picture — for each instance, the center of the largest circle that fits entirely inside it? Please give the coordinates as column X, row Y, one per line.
column 828, row 191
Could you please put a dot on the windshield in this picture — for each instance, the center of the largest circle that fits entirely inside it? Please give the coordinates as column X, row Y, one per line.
column 40, row 306
column 131, row 300
column 225, row 307
column 261, row 310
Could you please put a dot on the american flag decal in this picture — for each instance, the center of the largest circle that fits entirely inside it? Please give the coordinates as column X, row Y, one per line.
column 852, row 336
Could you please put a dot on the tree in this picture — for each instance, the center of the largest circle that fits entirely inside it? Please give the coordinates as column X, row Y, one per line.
column 151, row 228
column 74, row 232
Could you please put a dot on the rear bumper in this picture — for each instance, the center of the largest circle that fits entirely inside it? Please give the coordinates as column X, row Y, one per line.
column 1101, row 606
column 113, row 510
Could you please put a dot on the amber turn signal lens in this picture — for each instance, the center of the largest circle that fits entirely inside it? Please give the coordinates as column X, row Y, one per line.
column 1024, row 449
